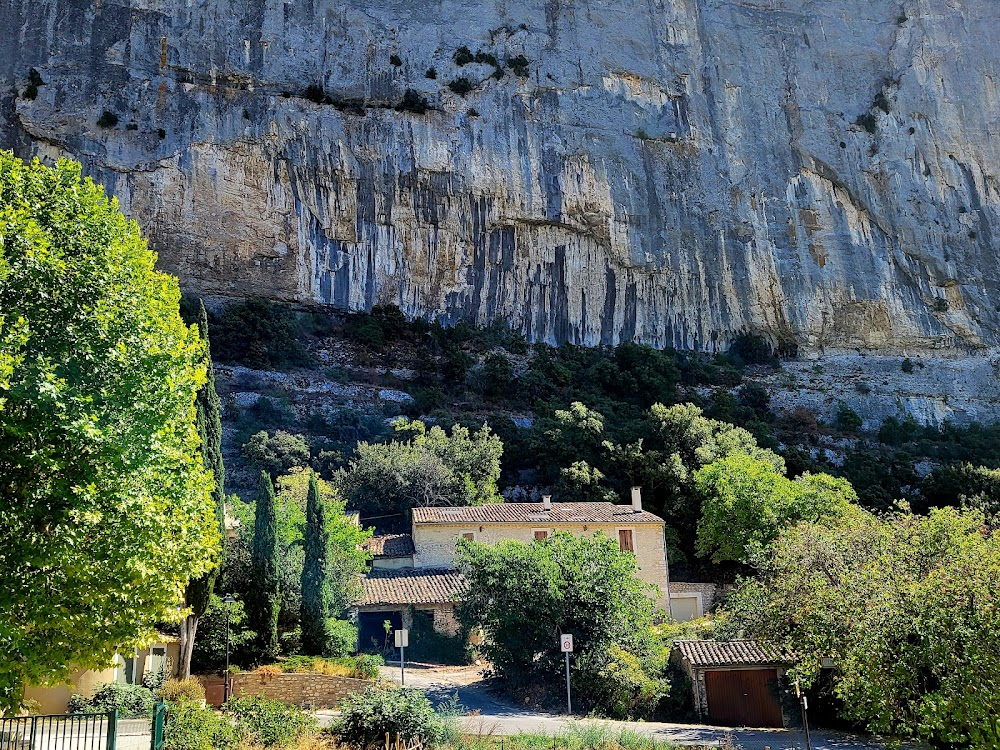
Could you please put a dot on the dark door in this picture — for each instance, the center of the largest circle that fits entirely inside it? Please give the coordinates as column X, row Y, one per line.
column 743, row 698
column 373, row 636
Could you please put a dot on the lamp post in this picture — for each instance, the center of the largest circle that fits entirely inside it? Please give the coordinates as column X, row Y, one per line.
column 225, row 687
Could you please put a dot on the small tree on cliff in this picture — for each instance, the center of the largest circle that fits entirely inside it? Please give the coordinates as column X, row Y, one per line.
column 315, row 606
column 265, row 602
column 209, row 421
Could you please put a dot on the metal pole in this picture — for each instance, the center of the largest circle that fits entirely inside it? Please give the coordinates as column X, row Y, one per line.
column 225, row 687
column 805, row 720
column 402, row 664
column 569, row 700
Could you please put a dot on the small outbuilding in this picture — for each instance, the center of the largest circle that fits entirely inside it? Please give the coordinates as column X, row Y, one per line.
column 395, row 596
column 735, row 683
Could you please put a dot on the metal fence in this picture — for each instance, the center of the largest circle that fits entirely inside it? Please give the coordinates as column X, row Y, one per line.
column 61, row 732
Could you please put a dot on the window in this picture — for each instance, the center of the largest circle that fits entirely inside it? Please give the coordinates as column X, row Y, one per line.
column 470, row 535
column 540, row 533
column 625, row 540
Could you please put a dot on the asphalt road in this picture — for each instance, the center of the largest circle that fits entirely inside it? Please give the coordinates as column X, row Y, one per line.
column 489, row 714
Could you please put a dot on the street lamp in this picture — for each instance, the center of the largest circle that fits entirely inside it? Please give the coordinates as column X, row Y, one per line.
column 225, row 688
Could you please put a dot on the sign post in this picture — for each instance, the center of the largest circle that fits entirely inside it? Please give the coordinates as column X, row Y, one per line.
column 402, row 641
column 804, row 702
column 566, row 646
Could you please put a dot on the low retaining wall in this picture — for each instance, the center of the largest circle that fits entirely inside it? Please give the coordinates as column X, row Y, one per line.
column 296, row 688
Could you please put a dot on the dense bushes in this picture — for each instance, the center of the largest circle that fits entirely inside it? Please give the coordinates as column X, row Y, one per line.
column 194, row 727
column 269, row 723
column 258, row 333
column 367, row 717
column 178, row 690
column 131, row 701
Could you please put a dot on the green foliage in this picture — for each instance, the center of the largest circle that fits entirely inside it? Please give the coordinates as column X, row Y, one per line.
column 967, row 486
column 463, row 56
column 395, row 60
column 520, row 65
column 193, row 727
column 263, row 603
column 753, row 349
column 368, row 665
column 746, row 503
column 107, row 119
column 315, row 599
column 341, row 638
column 847, row 419
column 868, row 121
column 907, row 366
column 278, row 453
column 209, row 653
column 259, row 333
column 460, row 86
column 367, row 717
column 429, row 646
column 107, row 507
column 269, row 723
column 413, row 101
column 431, row 73
column 432, row 467
column 174, row 691
column 907, row 608
column 131, row 701
column 525, row 595
column 495, row 378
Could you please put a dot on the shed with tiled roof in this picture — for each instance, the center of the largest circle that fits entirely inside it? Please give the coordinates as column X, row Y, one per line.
column 736, row 683
column 412, row 586
column 390, row 551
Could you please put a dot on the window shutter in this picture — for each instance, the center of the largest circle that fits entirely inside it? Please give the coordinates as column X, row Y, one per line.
column 625, row 540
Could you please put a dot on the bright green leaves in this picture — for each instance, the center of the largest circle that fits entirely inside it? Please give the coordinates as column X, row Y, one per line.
column 107, row 510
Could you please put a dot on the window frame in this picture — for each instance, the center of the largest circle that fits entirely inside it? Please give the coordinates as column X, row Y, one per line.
column 535, row 532
column 631, row 537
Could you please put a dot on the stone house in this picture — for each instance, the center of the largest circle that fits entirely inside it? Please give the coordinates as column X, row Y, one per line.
column 393, row 589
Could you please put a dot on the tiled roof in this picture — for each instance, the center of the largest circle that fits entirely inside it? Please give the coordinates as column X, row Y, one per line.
column 411, row 586
column 732, row 653
column 390, row 545
column 533, row 513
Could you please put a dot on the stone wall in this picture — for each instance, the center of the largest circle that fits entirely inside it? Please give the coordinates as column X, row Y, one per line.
column 299, row 689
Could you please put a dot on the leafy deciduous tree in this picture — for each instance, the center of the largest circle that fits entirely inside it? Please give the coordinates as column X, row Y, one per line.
column 107, row 509
column 525, row 595
column 908, row 609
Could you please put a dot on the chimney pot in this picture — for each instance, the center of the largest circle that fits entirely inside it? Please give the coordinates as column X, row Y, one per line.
column 546, row 502
column 637, row 500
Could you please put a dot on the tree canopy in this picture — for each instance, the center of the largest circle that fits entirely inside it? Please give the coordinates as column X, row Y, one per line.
column 427, row 467
column 525, row 595
column 906, row 606
column 746, row 503
column 107, row 503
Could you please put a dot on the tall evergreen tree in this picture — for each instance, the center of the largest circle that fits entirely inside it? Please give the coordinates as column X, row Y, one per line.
column 265, row 600
column 315, row 604
column 209, row 421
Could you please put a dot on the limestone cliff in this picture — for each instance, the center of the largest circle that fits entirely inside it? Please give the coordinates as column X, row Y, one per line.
column 672, row 171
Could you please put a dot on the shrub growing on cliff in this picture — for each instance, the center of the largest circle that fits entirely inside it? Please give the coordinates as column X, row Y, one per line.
column 413, row 101
column 460, row 86
column 258, row 333
column 107, row 119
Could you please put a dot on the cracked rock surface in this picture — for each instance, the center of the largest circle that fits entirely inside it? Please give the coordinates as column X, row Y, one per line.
column 667, row 171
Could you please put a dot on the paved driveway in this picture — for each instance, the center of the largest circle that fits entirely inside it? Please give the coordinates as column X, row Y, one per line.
column 490, row 714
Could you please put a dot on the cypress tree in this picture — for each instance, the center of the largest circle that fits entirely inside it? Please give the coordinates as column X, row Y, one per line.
column 315, row 606
column 209, row 421
column 265, row 602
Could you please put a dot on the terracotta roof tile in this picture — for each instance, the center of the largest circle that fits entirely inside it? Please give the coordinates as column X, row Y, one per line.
column 411, row 586
column 732, row 653
column 533, row 513
column 390, row 545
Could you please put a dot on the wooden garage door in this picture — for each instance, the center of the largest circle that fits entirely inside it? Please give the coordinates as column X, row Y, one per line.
column 743, row 698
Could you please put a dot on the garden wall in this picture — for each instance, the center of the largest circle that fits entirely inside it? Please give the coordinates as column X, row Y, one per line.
column 295, row 688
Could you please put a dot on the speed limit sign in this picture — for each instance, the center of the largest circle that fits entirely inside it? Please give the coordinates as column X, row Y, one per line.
column 566, row 643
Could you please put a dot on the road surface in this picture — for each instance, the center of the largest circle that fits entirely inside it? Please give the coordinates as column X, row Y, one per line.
column 490, row 714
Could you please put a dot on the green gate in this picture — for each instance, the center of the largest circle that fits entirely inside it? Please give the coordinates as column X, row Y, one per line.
column 159, row 719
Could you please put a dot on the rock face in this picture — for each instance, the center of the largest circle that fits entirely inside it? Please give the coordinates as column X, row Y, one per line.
column 823, row 172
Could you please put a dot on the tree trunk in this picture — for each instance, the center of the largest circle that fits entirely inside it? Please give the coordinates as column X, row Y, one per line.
column 189, row 628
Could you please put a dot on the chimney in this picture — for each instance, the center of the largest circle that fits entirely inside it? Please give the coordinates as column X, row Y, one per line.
column 546, row 502
column 637, row 500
